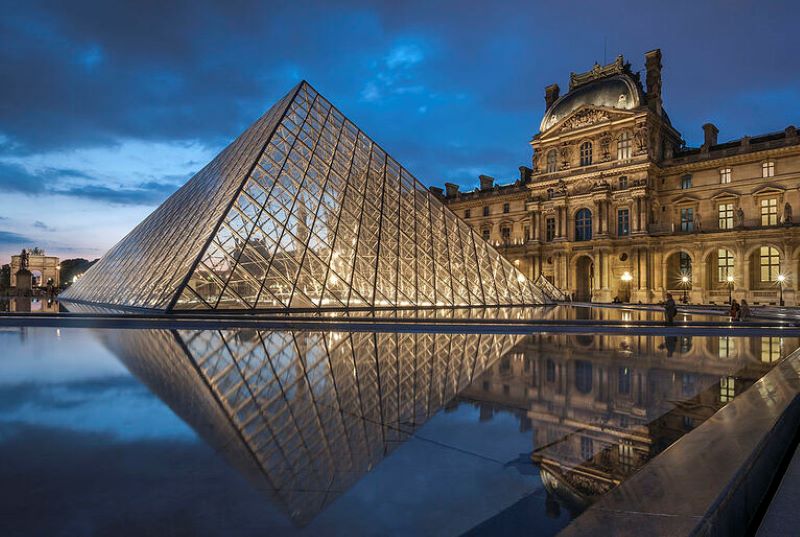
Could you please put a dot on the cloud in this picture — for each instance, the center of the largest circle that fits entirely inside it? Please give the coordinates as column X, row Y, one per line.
column 41, row 225
column 8, row 238
column 150, row 193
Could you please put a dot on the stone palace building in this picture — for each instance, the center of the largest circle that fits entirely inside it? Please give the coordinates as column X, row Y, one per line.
column 616, row 206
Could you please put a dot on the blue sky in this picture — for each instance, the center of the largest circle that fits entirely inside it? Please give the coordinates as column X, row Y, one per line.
column 107, row 107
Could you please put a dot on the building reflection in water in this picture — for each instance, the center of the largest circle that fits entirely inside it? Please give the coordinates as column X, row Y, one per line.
column 305, row 415
column 600, row 406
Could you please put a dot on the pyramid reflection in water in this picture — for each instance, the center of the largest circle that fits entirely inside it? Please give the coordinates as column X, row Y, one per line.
column 304, row 415
column 303, row 210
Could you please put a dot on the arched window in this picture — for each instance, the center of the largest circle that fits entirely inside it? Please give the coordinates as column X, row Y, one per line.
column 770, row 264
column 624, row 146
column 724, row 264
column 586, row 153
column 583, row 376
column 685, row 264
column 552, row 161
column 583, row 225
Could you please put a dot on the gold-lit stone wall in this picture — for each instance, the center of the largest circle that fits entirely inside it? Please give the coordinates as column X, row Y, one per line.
column 616, row 206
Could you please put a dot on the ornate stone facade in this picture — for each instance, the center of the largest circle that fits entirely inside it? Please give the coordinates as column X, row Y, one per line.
column 616, row 205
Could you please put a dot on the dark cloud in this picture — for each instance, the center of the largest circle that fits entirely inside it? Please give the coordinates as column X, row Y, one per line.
column 41, row 225
column 14, row 178
column 8, row 238
column 97, row 72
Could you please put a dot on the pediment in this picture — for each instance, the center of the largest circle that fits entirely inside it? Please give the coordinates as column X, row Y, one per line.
column 587, row 116
column 768, row 189
column 685, row 199
column 723, row 194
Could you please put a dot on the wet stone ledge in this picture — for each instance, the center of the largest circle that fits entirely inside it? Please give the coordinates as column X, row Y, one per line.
column 713, row 480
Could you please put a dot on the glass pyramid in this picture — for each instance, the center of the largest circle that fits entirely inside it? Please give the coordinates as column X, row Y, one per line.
column 305, row 415
column 305, row 211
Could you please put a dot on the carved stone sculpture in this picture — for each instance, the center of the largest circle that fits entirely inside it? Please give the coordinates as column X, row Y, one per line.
column 787, row 214
column 640, row 138
column 584, row 118
column 739, row 217
column 564, row 152
column 605, row 145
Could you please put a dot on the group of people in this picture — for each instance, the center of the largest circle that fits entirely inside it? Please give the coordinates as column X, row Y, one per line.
column 738, row 312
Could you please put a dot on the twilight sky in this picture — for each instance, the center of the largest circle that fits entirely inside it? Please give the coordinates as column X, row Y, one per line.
column 107, row 107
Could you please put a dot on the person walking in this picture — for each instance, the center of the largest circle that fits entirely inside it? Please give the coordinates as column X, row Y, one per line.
column 735, row 310
column 670, row 309
column 744, row 311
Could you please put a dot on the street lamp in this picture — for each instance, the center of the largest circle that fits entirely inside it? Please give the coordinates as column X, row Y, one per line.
column 729, row 279
column 685, row 283
column 626, row 281
column 781, row 281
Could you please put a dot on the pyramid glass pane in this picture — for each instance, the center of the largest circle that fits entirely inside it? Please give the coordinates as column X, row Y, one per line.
column 303, row 210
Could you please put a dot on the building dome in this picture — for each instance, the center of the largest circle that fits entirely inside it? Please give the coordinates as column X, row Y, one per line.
column 618, row 91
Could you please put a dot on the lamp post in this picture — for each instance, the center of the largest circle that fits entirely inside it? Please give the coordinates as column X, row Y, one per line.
column 729, row 279
column 685, row 283
column 781, row 281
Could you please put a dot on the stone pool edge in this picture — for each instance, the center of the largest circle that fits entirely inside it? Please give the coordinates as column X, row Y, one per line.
column 712, row 481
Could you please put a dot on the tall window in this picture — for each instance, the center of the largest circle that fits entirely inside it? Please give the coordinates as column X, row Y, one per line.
column 725, row 176
column 725, row 215
column 624, row 146
column 724, row 264
column 686, row 181
column 685, row 264
column 771, row 349
column 550, row 229
column 623, row 222
column 486, row 211
column 467, row 213
column 623, row 182
column 586, row 153
column 506, row 207
column 687, row 219
column 727, row 347
column 768, row 169
column 587, row 448
column 769, row 212
column 486, row 233
column 583, row 225
column 624, row 381
column 770, row 263
column 505, row 234
column 583, row 376
column 727, row 389
column 552, row 161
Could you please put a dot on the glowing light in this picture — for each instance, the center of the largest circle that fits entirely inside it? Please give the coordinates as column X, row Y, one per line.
column 729, row 279
column 520, row 278
column 626, row 276
column 685, row 279
column 781, row 278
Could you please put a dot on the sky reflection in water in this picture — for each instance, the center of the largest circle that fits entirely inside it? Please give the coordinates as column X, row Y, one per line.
column 342, row 433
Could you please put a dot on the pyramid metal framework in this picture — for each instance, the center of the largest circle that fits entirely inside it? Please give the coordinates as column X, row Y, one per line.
column 303, row 210
column 305, row 415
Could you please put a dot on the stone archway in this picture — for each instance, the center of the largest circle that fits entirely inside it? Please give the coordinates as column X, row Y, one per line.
column 584, row 278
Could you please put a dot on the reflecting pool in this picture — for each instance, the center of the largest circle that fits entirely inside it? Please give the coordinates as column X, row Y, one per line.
column 253, row 432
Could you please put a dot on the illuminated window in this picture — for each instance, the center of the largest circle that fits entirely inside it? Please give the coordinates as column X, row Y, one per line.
column 727, row 347
column 586, row 153
column 768, row 169
column 587, row 448
column 686, row 181
column 552, row 161
column 725, row 175
column 550, row 229
column 771, row 349
column 769, row 212
column 506, row 207
column 467, row 213
column 624, row 146
column 724, row 264
column 725, row 215
column 727, row 389
column 624, row 382
column 583, row 225
column 687, row 219
column 625, row 451
column 486, row 211
column 769, row 261
column 623, row 222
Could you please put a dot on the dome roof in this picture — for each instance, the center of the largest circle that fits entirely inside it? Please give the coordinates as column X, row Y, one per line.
column 618, row 91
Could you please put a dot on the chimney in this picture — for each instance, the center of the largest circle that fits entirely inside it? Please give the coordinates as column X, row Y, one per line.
column 452, row 190
column 652, row 62
column 487, row 182
column 709, row 136
column 525, row 174
column 550, row 95
column 436, row 191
